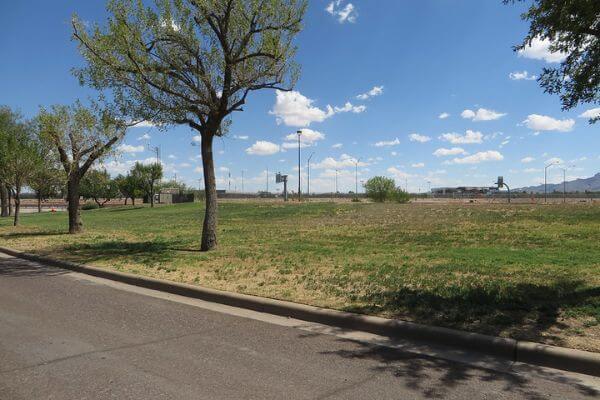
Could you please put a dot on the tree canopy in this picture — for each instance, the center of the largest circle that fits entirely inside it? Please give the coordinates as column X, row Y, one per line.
column 191, row 62
column 573, row 28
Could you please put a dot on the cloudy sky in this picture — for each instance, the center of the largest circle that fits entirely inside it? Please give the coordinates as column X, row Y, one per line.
column 421, row 91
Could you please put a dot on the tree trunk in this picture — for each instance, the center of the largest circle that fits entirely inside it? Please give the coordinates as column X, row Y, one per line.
column 10, row 204
column 133, row 201
column 151, row 196
column 75, row 225
column 17, row 205
column 39, row 202
column 209, row 228
column 126, row 198
column 3, row 200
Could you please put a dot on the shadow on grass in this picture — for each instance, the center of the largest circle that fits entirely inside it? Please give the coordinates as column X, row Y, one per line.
column 19, row 235
column 126, row 208
column 148, row 253
column 523, row 311
column 437, row 378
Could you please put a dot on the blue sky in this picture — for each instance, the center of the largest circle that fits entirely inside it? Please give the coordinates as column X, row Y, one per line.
column 377, row 78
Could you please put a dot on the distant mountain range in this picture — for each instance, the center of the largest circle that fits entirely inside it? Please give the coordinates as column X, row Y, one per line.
column 578, row 185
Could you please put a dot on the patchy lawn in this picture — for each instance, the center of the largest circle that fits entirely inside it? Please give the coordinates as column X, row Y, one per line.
column 523, row 271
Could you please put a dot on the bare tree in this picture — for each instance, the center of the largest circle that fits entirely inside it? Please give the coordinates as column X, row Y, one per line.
column 192, row 62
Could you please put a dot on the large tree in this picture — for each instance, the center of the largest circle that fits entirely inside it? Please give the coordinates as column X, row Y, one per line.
column 192, row 62
column 81, row 136
column 573, row 28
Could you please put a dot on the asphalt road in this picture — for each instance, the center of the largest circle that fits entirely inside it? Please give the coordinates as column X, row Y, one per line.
column 67, row 336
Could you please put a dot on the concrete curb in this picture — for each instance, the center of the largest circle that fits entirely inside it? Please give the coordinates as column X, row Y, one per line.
column 527, row 352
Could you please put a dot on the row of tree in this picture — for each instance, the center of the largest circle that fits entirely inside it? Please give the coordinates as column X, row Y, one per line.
column 52, row 154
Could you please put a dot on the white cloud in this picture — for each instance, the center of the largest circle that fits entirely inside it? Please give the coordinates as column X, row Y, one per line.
column 197, row 139
column 469, row 137
column 555, row 160
column 345, row 161
column 490, row 155
column 185, row 165
column 198, row 170
column 294, row 109
column 532, row 170
column 344, row 13
column 263, row 148
column 385, row 143
column 527, row 159
column 307, row 138
column 482, row 114
column 376, row 91
column 241, row 137
column 337, row 146
column 172, row 157
column 348, row 107
column 443, row 115
column 397, row 173
column 145, row 136
column 539, row 49
column 415, row 137
column 591, row 113
column 449, row 152
column 127, row 148
column 538, row 122
column 522, row 76
column 223, row 169
column 418, row 165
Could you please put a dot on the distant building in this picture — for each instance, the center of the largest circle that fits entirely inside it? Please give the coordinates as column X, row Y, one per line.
column 464, row 190
column 174, row 195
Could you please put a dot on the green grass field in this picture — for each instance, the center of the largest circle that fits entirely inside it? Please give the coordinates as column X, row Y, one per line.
column 528, row 272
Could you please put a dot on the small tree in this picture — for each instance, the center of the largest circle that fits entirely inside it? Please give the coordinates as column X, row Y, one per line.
column 147, row 176
column 401, row 196
column 6, row 123
column 573, row 29
column 192, row 62
column 21, row 157
column 48, row 179
column 46, row 182
column 380, row 188
column 98, row 186
column 80, row 136
column 129, row 187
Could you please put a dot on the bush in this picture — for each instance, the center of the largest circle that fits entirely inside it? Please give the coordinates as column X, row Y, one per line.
column 90, row 206
column 401, row 196
column 380, row 189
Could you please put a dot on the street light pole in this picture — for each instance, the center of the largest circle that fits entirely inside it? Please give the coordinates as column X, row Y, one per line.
column 308, row 174
column 546, row 180
column 299, row 170
column 356, row 178
column 336, row 189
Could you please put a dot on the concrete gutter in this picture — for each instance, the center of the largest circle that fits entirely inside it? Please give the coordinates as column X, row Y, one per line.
column 510, row 349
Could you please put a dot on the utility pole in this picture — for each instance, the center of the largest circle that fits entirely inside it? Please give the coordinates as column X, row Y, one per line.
column 267, row 180
column 229, row 181
column 565, row 182
column 299, row 170
column 546, row 179
column 336, row 187
column 308, row 174
column 356, row 178
column 242, row 181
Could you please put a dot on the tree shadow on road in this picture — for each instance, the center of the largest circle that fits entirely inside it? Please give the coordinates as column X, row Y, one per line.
column 17, row 267
column 436, row 378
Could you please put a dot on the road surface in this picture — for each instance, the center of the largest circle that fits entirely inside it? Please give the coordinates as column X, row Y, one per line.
column 64, row 335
